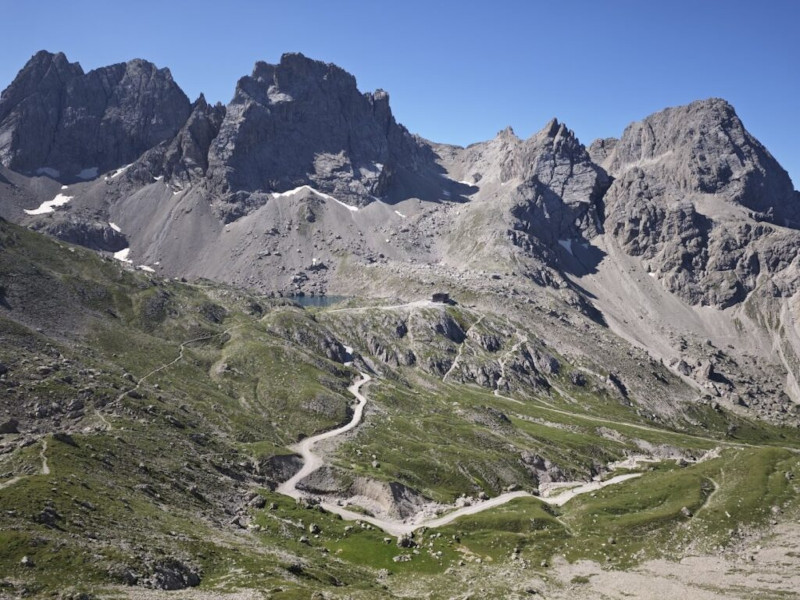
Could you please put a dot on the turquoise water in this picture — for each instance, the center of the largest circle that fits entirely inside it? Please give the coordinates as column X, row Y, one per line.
column 317, row 301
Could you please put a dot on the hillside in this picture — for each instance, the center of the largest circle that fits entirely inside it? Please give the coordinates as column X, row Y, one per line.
column 154, row 419
column 284, row 347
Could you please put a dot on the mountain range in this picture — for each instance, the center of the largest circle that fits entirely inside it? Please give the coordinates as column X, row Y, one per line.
column 649, row 283
column 304, row 185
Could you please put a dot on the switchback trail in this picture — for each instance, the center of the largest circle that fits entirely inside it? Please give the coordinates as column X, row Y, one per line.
column 312, row 462
column 177, row 359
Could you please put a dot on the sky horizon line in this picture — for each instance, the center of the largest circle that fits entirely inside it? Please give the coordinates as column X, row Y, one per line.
column 459, row 72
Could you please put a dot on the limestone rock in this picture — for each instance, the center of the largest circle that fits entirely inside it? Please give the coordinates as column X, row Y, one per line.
column 695, row 196
column 91, row 234
column 59, row 121
column 304, row 122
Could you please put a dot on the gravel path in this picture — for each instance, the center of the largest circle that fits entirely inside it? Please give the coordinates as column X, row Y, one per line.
column 312, row 462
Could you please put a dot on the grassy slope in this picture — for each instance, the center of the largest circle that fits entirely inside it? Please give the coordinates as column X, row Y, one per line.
column 158, row 476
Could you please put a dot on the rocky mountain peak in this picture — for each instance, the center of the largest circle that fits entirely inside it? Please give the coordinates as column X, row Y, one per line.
column 43, row 70
column 507, row 134
column 561, row 186
column 57, row 120
column 703, row 147
column 552, row 128
column 44, row 60
column 295, row 78
column 304, row 122
column 690, row 185
column 559, row 138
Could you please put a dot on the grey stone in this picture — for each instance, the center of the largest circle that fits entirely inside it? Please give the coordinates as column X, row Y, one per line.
column 676, row 172
column 56, row 119
column 305, row 122
column 91, row 234
column 9, row 426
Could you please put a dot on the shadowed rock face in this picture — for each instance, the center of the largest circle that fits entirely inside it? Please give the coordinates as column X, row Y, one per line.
column 97, row 236
column 688, row 191
column 703, row 147
column 304, row 122
column 184, row 158
column 562, row 187
column 692, row 194
column 60, row 121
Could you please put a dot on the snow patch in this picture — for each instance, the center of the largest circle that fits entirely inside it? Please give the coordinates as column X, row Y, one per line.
column 653, row 275
column 122, row 255
column 347, row 206
column 159, row 178
column 49, row 171
column 566, row 244
column 119, row 172
column 308, row 188
column 146, row 268
column 50, row 205
column 89, row 173
column 64, row 187
column 399, row 214
column 115, row 227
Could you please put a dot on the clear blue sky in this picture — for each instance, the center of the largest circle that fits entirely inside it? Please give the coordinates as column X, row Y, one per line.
column 459, row 72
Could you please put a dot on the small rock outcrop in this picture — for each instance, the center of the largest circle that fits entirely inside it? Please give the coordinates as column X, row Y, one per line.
column 94, row 235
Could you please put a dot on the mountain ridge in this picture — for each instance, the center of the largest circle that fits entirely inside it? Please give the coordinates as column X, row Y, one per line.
column 305, row 185
column 530, row 314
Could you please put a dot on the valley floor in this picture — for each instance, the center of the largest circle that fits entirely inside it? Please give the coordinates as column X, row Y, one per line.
column 765, row 568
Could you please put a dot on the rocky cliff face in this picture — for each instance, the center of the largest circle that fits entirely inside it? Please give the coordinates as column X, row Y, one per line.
column 682, row 231
column 555, row 186
column 688, row 190
column 184, row 158
column 701, row 201
column 59, row 121
column 704, row 148
column 562, row 188
column 304, row 122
